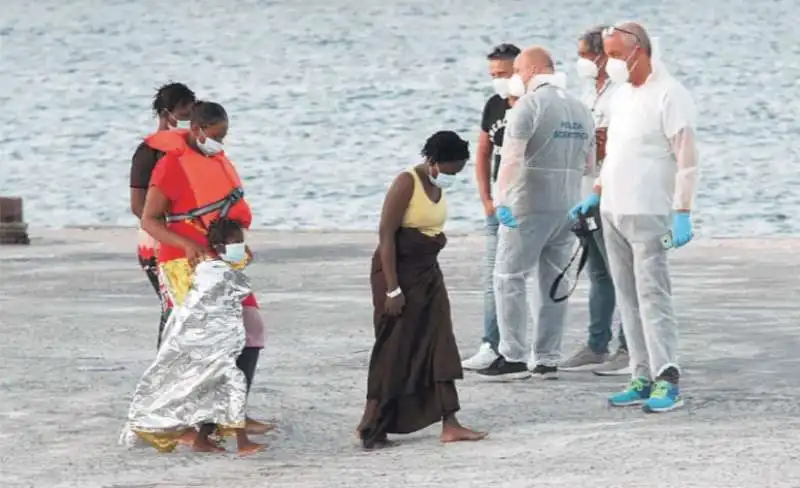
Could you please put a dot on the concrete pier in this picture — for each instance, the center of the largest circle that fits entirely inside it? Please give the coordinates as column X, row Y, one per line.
column 78, row 321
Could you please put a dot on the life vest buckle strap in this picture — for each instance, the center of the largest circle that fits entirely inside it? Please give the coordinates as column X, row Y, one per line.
column 223, row 205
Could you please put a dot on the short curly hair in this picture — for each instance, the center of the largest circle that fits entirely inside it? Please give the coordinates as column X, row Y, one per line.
column 222, row 230
column 445, row 146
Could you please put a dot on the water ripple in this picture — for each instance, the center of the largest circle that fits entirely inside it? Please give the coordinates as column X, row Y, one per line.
column 330, row 98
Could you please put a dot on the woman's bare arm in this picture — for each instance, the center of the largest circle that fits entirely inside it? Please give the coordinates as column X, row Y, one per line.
column 156, row 206
column 394, row 208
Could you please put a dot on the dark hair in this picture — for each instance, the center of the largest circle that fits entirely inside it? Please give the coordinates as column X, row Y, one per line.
column 594, row 39
column 504, row 52
column 221, row 230
column 170, row 96
column 208, row 113
column 445, row 146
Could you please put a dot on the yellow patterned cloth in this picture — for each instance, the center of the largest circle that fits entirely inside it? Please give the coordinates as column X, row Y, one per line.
column 176, row 280
column 177, row 276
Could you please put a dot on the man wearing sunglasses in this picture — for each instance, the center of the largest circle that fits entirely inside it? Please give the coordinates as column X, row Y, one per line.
column 493, row 122
column 647, row 185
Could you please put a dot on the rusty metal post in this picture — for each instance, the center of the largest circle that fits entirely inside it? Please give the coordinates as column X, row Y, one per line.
column 13, row 230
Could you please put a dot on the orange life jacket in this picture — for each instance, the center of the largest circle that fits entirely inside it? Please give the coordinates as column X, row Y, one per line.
column 215, row 184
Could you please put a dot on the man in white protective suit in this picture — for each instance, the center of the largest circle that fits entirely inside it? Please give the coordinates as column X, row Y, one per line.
column 548, row 147
column 647, row 185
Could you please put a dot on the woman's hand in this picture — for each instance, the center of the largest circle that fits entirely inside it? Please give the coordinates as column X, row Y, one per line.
column 194, row 252
column 394, row 305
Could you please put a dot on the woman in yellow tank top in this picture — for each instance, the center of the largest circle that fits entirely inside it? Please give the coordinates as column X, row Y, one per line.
column 415, row 360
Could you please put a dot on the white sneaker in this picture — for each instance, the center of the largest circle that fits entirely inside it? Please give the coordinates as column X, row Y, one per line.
column 481, row 360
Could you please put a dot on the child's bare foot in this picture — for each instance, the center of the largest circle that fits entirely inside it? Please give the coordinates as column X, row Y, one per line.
column 257, row 428
column 188, row 437
column 245, row 445
column 458, row 433
column 204, row 444
column 249, row 447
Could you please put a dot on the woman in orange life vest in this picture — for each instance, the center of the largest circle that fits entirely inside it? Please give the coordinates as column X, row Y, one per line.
column 193, row 184
column 172, row 105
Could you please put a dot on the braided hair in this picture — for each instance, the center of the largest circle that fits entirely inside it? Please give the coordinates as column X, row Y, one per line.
column 445, row 146
column 171, row 96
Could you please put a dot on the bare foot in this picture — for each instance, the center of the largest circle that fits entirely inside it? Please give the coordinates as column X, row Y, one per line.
column 257, row 428
column 248, row 447
column 458, row 433
column 204, row 444
column 188, row 438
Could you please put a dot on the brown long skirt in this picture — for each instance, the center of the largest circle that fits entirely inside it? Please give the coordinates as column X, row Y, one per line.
column 415, row 360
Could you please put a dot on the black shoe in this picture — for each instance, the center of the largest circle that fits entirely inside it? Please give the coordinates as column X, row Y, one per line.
column 543, row 372
column 502, row 370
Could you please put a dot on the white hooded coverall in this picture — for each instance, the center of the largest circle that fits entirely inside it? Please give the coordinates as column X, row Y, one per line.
column 548, row 147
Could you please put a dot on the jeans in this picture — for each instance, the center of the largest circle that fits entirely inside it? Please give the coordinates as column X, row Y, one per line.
column 491, row 334
column 602, row 298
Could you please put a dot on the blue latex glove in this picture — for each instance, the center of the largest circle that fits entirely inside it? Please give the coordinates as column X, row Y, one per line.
column 505, row 217
column 584, row 206
column 681, row 229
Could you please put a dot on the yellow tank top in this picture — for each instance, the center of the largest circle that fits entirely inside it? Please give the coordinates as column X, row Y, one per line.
column 422, row 213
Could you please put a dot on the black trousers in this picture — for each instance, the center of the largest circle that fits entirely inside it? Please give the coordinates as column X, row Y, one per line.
column 247, row 362
column 150, row 267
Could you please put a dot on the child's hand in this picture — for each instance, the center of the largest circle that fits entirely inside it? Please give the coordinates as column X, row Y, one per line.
column 249, row 254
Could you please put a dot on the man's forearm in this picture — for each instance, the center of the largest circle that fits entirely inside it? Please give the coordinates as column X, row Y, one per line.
column 483, row 175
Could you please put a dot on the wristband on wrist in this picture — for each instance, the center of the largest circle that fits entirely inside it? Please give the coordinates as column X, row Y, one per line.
column 394, row 293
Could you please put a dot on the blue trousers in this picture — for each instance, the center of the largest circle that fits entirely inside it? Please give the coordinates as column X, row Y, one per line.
column 491, row 334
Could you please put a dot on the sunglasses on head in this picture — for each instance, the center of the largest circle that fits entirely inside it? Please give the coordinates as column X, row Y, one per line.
column 504, row 50
column 609, row 31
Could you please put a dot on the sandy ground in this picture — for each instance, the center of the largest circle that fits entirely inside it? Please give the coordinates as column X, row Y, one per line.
column 78, row 324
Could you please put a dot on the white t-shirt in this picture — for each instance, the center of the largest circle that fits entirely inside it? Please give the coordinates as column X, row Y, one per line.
column 638, row 174
column 599, row 104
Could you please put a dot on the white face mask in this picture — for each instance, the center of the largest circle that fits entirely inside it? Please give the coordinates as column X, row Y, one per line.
column 182, row 124
column 234, row 253
column 617, row 70
column 516, row 87
column 443, row 180
column 500, row 86
column 210, row 147
column 586, row 69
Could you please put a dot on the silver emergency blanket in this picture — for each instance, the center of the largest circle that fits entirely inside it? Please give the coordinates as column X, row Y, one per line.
column 194, row 378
